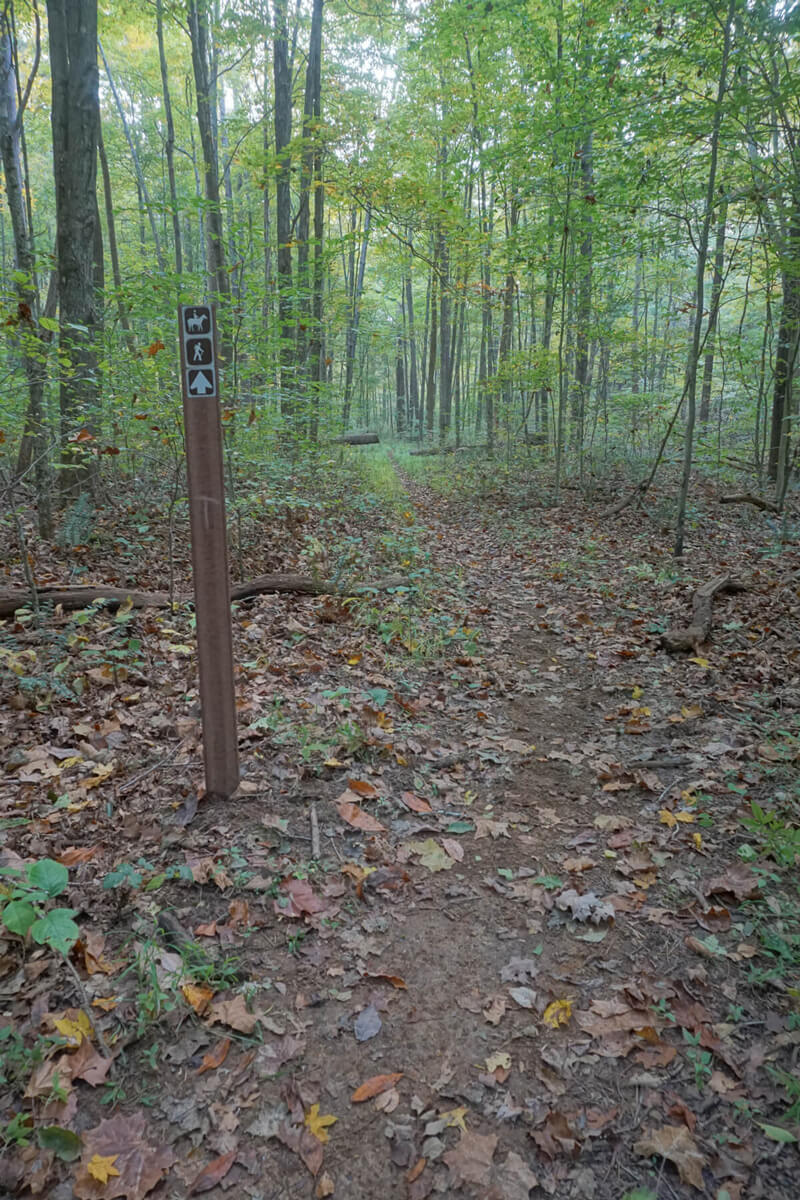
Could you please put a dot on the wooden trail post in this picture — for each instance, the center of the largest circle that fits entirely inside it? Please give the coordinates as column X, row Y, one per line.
column 200, row 381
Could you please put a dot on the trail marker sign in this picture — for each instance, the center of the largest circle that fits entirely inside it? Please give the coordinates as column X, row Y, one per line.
column 198, row 338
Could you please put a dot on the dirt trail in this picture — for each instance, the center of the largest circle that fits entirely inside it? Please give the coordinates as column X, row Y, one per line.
column 541, row 934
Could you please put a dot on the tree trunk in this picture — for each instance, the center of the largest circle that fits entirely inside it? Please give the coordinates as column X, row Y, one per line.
column 690, row 385
column 716, row 291
column 169, row 144
column 75, row 119
column 31, row 342
column 204, row 84
column 113, row 250
column 283, row 202
column 357, row 285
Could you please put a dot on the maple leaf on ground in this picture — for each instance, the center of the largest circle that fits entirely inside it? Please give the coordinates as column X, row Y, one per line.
column 102, row 1167
column 674, row 1142
column 140, row 1166
column 319, row 1123
column 471, row 1160
column 587, row 907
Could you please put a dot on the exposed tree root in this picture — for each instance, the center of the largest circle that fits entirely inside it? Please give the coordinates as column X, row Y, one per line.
column 689, row 638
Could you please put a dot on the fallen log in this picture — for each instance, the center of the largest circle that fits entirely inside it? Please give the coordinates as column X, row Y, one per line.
column 749, row 498
column 356, row 439
column 676, row 640
column 428, row 450
column 79, row 595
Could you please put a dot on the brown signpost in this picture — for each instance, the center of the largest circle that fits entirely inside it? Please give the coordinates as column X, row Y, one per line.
column 200, row 380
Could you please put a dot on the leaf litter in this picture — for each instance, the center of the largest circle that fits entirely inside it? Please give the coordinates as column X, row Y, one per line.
column 488, row 829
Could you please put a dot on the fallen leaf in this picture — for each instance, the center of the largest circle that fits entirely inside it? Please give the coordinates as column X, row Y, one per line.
column 355, row 816
column 140, row 1166
column 232, row 1013
column 454, row 849
column 515, row 1178
column 738, row 881
column 318, row 1123
column 471, row 1160
column 499, row 1059
column 325, row 1187
column 74, row 1026
column 495, row 1009
column 367, row 790
column 586, row 907
column 216, row 1057
column 298, row 899
column 374, row 1086
column 102, row 1168
column 197, row 997
column 415, row 803
column 211, row 1174
column 368, row 1024
column 675, row 1143
column 578, row 864
column 430, row 855
column 525, row 997
column 454, row 1119
column 557, row 1013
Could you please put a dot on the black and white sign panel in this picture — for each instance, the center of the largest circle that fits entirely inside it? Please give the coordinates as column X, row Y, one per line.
column 197, row 343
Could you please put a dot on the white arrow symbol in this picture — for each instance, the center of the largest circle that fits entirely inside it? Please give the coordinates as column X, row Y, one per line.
column 201, row 385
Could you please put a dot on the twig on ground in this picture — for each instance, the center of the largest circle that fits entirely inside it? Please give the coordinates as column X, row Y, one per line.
column 315, row 849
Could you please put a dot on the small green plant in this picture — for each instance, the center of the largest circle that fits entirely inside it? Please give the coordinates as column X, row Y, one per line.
column 700, row 1059
column 28, row 895
column 17, row 1132
column 791, row 1085
column 779, row 840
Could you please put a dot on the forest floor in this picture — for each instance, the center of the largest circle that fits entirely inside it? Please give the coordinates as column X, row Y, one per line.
column 548, row 942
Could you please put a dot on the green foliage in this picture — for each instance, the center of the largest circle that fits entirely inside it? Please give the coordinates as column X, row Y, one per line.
column 27, row 910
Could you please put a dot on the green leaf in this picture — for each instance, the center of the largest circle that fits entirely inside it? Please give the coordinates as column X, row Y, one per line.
column 776, row 1134
column 460, row 827
column 18, row 916
column 57, row 930
column 49, row 323
column 50, row 876
column 640, row 1194
column 65, row 1144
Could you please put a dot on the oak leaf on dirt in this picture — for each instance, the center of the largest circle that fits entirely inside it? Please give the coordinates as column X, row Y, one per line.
column 140, row 1165
column 471, row 1160
column 374, row 1086
column 232, row 1013
column 586, row 907
column 675, row 1143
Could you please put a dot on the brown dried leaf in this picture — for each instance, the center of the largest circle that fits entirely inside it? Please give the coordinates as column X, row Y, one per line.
column 674, row 1142
column 211, row 1174
column 355, row 816
column 301, row 899
column 216, row 1057
column 374, row 1087
column 415, row 803
column 471, row 1160
column 140, row 1166
column 232, row 1013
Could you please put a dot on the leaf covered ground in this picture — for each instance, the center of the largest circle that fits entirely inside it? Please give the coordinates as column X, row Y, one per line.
column 507, row 903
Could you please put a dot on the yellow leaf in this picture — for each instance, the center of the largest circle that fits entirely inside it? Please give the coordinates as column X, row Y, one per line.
column 354, row 660
column 454, row 1119
column 101, row 1167
column 697, row 838
column 557, row 1013
column 107, row 1003
column 198, row 997
column 66, row 763
column 701, row 662
column 637, row 693
column 74, row 1031
column 500, row 1059
column 318, row 1123
column 667, row 818
column 692, row 711
column 332, row 762
column 685, row 817
column 76, row 806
